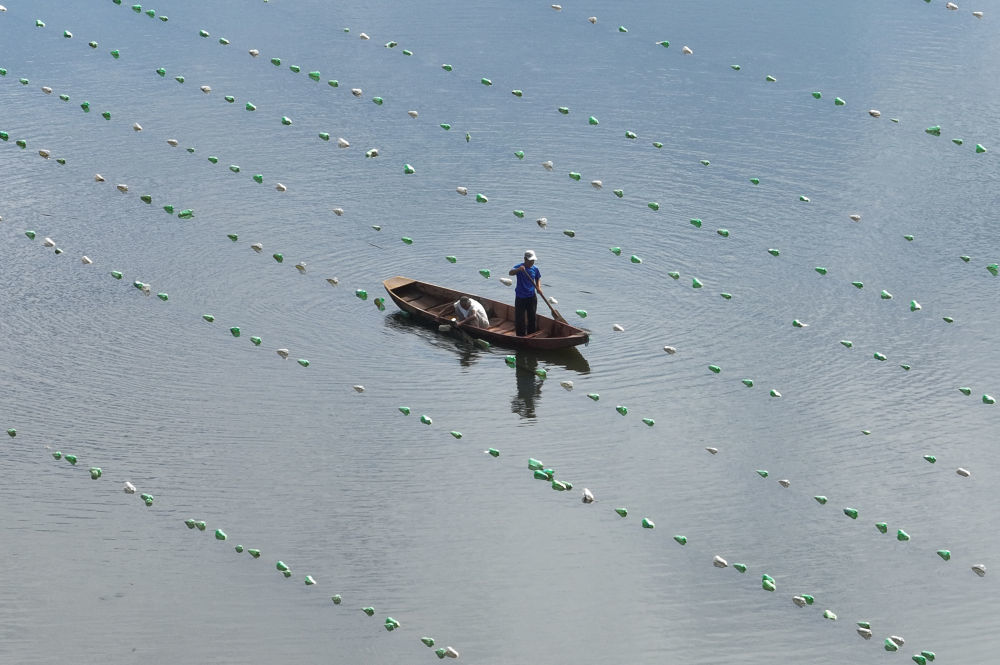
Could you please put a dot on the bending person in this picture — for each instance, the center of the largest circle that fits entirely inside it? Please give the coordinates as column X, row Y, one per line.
column 471, row 311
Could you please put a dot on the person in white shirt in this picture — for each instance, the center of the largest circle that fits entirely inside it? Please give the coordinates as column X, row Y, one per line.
column 471, row 311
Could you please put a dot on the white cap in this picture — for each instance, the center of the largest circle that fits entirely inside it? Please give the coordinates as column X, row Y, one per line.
column 529, row 255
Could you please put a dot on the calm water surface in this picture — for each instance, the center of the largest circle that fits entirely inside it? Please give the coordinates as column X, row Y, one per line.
column 422, row 526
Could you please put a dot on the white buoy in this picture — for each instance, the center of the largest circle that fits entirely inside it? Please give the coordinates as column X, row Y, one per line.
column 85, row 260
column 568, row 385
column 280, row 187
column 592, row 19
column 548, row 165
column 412, row 114
column 363, row 36
column 2, row 8
column 719, row 562
column 356, row 92
column 47, row 90
column 951, row 5
column 670, row 350
column 542, row 222
column 98, row 177
column 558, row 8
column 963, row 472
column 49, row 242
column 897, row 640
column 865, row 633
column 875, row 113
column 144, row 288
column 359, row 388
column 257, row 247
column 450, row 652
column 122, row 188
column 129, row 488
column 977, row 14
column 506, row 281
column 588, row 497
column 173, row 142
column 371, row 152
column 855, row 217
column 553, row 301
column 712, row 450
column 979, row 569
column 785, row 483
column 206, row 89
column 343, row 143
column 338, row 212
column 686, row 50
column 799, row 601
column 462, row 190
column 333, row 281
column 300, row 266
column 283, row 353
column 618, row 328
column 596, row 184
column 136, row 127
column 253, row 52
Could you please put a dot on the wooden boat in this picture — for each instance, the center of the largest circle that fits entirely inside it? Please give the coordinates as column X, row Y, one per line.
column 436, row 304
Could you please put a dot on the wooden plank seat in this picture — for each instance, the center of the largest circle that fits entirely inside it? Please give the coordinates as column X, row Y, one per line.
column 440, row 309
column 424, row 302
column 504, row 327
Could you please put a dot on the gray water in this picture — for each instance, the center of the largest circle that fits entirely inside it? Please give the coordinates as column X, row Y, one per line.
column 424, row 527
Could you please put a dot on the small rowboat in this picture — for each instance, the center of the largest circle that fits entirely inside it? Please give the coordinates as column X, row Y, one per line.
column 436, row 304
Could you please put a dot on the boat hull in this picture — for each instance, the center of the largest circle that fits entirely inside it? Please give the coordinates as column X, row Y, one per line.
column 434, row 304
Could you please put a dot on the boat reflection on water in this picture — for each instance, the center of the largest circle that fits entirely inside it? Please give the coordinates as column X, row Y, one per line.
column 526, row 366
column 529, row 384
column 468, row 353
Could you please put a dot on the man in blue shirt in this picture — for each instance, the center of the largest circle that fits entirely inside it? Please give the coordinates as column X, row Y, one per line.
column 525, row 300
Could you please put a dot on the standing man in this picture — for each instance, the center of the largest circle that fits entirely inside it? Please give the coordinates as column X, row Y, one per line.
column 525, row 300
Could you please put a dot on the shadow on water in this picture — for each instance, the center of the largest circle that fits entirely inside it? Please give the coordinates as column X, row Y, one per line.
column 467, row 351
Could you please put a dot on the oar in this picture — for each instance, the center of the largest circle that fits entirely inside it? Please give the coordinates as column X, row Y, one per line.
column 555, row 313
